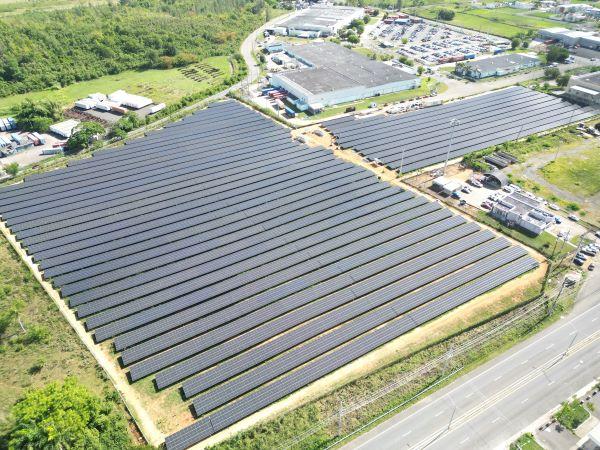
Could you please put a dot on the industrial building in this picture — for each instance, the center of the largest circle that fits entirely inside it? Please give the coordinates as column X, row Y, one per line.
column 333, row 74
column 318, row 21
column 584, row 89
column 496, row 66
column 571, row 38
column 523, row 212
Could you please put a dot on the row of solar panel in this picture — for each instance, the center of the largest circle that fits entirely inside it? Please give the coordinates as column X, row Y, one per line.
column 308, row 373
column 482, row 122
column 210, row 251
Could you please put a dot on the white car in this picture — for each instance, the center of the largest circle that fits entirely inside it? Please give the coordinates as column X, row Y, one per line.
column 573, row 217
column 507, row 189
column 554, row 207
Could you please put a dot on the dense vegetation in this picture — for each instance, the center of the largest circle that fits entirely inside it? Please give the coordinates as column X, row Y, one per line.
column 41, row 50
column 64, row 416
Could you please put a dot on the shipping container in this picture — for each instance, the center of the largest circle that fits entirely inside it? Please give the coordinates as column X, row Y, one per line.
column 119, row 110
column 290, row 112
column 41, row 138
column 156, row 108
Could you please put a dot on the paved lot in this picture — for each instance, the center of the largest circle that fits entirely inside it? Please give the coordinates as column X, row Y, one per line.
column 433, row 43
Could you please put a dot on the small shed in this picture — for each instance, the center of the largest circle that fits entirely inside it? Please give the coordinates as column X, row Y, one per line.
column 64, row 129
column 496, row 179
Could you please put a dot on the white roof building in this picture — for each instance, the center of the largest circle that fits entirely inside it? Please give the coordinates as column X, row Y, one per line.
column 130, row 100
column 64, row 129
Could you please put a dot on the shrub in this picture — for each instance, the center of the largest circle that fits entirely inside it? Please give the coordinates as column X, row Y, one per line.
column 12, row 169
column 66, row 416
column 445, row 14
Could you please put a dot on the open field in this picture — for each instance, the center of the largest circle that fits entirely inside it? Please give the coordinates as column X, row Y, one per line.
column 577, row 175
column 505, row 22
column 161, row 85
column 30, row 365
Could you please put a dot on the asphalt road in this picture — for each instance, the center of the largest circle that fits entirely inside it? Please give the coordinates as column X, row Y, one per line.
column 484, row 408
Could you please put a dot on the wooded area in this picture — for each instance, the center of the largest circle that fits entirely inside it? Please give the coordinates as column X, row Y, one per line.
column 42, row 50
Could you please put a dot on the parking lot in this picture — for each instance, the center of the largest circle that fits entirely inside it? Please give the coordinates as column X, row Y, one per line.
column 433, row 43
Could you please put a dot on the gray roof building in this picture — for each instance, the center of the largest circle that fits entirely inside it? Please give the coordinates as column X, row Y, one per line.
column 336, row 74
column 496, row 65
column 585, row 89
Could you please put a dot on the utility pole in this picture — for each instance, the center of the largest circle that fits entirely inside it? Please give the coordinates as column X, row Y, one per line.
column 453, row 123
column 401, row 162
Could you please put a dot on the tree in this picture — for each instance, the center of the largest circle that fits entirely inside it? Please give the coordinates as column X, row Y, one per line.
column 515, row 43
column 84, row 135
column 12, row 169
column 66, row 416
column 556, row 54
column 563, row 80
column 125, row 124
column 445, row 14
column 551, row 73
column 37, row 116
column 353, row 39
column 420, row 70
column 398, row 5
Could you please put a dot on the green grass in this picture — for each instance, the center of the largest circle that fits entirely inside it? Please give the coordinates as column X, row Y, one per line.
column 578, row 175
column 361, row 105
column 526, row 442
column 161, row 85
column 543, row 243
column 505, row 22
column 571, row 415
column 32, row 365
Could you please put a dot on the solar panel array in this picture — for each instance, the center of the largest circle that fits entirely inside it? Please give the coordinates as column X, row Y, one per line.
column 422, row 138
column 221, row 255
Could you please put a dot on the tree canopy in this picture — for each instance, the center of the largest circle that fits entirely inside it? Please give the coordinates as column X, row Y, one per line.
column 556, row 54
column 445, row 14
column 83, row 136
column 43, row 50
column 37, row 116
column 62, row 416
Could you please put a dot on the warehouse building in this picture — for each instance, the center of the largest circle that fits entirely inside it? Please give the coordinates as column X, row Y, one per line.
column 584, row 89
column 318, row 21
column 496, row 66
column 570, row 38
column 334, row 74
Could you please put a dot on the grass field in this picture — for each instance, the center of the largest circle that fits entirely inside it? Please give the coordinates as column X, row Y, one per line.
column 27, row 363
column 361, row 105
column 578, row 175
column 526, row 442
column 506, row 22
column 161, row 85
column 9, row 7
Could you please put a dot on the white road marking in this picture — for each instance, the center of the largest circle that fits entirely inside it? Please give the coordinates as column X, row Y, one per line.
column 572, row 333
column 550, row 346
column 524, row 362
column 524, row 401
column 407, row 433
column 497, row 378
column 594, row 319
column 440, row 413
column 551, row 383
column 464, row 440
column 576, row 367
column 470, row 394
column 496, row 420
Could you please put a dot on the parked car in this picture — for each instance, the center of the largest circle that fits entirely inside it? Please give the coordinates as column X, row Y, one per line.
column 557, row 219
column 580, row 256
column 486, row 205
column 477, row 184
column 463, row 202
column 554, row 207
column 455, row 195
column 591, row 267
column 515, row 188
column 466, row 190
column 578, row 262
column 507, row 189
column 573, row 217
